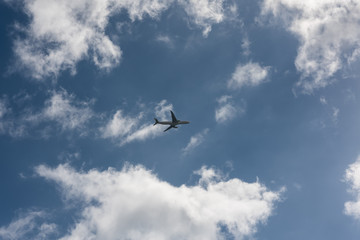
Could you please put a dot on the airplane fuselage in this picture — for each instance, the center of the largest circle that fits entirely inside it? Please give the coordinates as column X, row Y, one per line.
column 173, row 123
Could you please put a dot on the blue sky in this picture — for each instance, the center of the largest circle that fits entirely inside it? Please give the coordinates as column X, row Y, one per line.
column 271, row 90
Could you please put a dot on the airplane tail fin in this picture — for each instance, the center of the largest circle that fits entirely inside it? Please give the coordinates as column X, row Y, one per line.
column 156, row 121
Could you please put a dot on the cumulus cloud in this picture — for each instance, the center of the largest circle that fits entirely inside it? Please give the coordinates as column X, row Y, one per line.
column 352, row 177
column 249, row 74
column 28, row 226
column 135, row 204
column 227, row 110
column 195, row 141
column 126, row 129
column 62, row 33
column 204, row 12
column 328, row 32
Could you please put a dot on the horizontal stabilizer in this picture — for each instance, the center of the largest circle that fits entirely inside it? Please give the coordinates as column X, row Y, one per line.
column 156, row 121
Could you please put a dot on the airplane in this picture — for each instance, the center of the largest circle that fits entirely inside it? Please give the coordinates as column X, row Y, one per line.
column 172, row 124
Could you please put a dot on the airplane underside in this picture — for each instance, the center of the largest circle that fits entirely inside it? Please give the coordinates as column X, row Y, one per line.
column 170, row 128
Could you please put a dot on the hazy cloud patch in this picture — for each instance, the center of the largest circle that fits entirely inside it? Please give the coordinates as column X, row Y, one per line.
column 323, row 100
column 29, row 226
column 335, row 114
column 3, row 111
column 3, row 108
column 66, row 111
column 166, row 40
column 245, row 45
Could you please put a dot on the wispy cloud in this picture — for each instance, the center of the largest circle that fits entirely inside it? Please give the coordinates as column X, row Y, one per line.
column 3, row 111
column 29, row 226
column 195, row 141
column 3, row 108
column 61, row 108
column 323, row 100
column 120, row 125
column 165, row 39
column 68, row 113
column 245, row 45
column 328, row 33
column 63, row 112
column 126, row 129
column 249, row 74
column 125, row 205
column 227, row 110
column 335, row 114
column 352, row 177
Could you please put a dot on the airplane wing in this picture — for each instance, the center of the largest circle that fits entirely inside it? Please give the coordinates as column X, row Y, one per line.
column 168, row 128
column 173, row 117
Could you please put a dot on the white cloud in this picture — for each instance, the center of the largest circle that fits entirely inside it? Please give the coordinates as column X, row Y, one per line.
column 195, row 141
column 135, row 204
column 224, row 113
column 119, row 125
column 249, row 74
column 62, row 33
column 3, row 111
column 165, row 39
column 144, row 132
column 323, row 100
column 352, row 177
column 335, row 114
column 209, row 176
column 204, row 12
column 125, row 129
column 245, row 45
column 3, row 108
column 27, row 226
column 162, row 110
column 227, row 110
column 328, row 32
column 63, row 109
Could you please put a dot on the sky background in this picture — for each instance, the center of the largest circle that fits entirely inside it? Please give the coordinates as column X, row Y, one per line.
column 271, row 90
